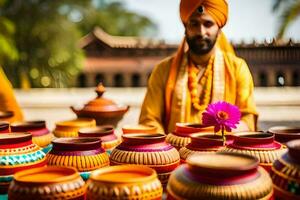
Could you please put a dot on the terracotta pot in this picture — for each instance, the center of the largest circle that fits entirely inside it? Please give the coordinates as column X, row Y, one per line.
column 220, row 176
column 201, row 143
column 40, row 134
column 109, row 140
column 284, row 134
column 70, row 128
column 147, row 149
column 17, row 152
column 183, row 131
column 4, row 127
column 47, row 183
column 137, row 182
column 6, row 116
column 85, row 154
column 104, row 111
column 286, row 173
column 261, row 145
column 127, row 129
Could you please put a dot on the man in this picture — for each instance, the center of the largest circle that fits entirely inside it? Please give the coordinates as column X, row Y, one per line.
column 7, row 99
column 204, row 70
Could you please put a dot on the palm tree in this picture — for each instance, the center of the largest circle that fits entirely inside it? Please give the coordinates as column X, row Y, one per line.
column 290, row 10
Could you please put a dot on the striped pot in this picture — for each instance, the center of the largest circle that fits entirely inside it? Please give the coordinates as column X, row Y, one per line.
column 147, row 149
column 47, row 183
column 85, row 154
column 17, row 152
column 138, row 182
column 261, row 145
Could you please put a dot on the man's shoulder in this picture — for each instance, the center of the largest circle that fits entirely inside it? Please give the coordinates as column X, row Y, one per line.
column 234, row 60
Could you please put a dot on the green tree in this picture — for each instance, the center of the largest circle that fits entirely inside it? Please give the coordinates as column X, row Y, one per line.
column 289, row 11
column 46, row 36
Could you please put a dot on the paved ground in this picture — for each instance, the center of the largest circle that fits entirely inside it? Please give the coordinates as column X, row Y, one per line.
column 277, row 106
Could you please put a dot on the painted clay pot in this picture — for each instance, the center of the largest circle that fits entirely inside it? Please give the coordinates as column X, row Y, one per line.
column 220, row 176
column 127, row 129
column 40, row 133
column 284, row 134
column 103, row 110
column 147, row 149
column 138, row 182
column 261, row 145
column 4, row 127
column 6, row 116
column 47, row 183
column 201, row 143
column 85, row 154
column 183, row 131
column 17, row 152
column 286, row 173
column 109, row 140
column 70, row 128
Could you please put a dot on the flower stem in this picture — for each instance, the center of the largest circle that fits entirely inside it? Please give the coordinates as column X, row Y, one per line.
column 223, row 136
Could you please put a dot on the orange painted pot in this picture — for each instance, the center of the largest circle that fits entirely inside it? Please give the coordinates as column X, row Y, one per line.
column 261, row 145
column 47, row 183
column 85, row 154
column 6, row 116
column 4, row 127
column 201, row 143
column 283, row 134
column 109, row 140
column 183, row 131
column 220, row 176
column 127, row 129
column 40, row 133
column 17, row 153
column 147, row 149
column 285, row 173
column 70, row 128
column 130, row 182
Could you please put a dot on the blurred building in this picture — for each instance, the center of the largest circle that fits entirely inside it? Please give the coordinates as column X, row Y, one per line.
column 128, row 61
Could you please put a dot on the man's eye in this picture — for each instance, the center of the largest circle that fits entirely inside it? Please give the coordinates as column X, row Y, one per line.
column 208, row 24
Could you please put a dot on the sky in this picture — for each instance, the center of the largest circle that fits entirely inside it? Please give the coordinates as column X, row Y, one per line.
column 248, row 20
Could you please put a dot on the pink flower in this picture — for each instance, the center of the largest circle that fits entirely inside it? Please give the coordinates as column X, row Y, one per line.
column 221, row 115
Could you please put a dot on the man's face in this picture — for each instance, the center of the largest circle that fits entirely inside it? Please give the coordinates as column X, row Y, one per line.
column 201, row 33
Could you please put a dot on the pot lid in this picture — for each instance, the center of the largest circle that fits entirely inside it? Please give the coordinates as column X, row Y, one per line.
column 100, row 103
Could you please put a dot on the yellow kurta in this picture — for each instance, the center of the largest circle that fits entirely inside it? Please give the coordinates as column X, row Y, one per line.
column 7, row 99
column 238, row 90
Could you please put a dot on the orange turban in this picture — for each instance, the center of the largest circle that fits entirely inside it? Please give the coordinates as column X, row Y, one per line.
column 218, row 9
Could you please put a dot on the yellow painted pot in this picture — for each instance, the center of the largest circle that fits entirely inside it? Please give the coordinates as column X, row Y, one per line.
column 130, row 182
column 220, row 176
column 70, row 128
column 127, row 129
column 85, row 154
column 47, row 183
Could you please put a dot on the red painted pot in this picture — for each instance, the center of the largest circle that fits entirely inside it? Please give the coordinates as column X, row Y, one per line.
column 286, row 173
column 4, row 127
column 261, row 145
column 147, row 149
column 219, row 176
column 85, row 154
column 284, row 134
column 183, row 131
column 17, row 152
column 40, row 134
column 201, row 143
column 109, row 140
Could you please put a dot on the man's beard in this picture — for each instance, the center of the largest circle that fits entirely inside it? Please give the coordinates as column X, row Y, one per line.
column 199, row 45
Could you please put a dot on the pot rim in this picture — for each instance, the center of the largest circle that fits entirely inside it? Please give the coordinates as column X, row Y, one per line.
column 150, row 174
column 14, row 137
